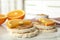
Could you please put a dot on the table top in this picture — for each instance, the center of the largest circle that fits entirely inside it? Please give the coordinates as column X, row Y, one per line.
column 4, row 35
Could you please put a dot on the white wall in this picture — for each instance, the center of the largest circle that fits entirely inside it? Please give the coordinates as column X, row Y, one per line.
column 9, row 5
column 50, row 7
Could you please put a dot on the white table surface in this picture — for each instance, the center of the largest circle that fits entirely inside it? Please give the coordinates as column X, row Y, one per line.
column 4, row 35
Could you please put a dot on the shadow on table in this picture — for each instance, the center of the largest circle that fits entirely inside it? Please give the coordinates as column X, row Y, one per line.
column 3, row 30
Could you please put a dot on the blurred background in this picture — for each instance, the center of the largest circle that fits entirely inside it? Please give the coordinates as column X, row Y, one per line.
column 32, row 7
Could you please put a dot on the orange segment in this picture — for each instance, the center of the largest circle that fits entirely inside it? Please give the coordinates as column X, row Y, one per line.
column 2, row 18
column 17, row 14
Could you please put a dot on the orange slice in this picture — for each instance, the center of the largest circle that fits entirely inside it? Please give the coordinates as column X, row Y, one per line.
column 18, row 23
column 47, row 22
column 17, row 14
column 27, row 22
column 14, row 23
column 2, row 18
